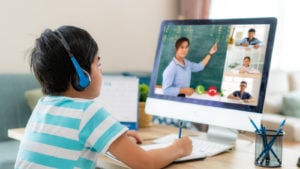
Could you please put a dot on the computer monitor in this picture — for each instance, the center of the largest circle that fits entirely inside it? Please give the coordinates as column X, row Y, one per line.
column 210, row 103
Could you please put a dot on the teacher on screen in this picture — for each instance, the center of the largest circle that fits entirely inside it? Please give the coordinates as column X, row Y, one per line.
column 177, row 75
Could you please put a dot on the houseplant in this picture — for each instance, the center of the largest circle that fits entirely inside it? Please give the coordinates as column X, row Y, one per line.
column 145, row 120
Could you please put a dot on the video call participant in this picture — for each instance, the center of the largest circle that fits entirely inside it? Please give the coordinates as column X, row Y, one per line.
column 242, row 94
column 251, row 40
column 177, row 75
column 245, row 68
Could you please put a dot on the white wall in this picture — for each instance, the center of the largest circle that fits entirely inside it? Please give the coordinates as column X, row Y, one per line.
column 286, row 39
column 126, row 30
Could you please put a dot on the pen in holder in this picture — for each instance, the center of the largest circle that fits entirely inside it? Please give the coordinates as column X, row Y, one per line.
column 268, row 148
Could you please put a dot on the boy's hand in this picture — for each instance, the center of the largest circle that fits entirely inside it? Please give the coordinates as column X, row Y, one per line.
column 134, row 136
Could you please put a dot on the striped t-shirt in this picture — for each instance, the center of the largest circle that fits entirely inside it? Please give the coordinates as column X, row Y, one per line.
column 67, row 133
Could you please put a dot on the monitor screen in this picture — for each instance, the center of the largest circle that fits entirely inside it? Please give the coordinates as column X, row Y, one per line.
column 212, row 71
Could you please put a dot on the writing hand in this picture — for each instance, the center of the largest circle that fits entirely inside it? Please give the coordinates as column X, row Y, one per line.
column 134, row 136
column 184, row 144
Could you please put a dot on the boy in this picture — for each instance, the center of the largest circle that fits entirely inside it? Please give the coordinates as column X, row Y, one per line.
column 67, row 129
column 242, row 94
column 251, row 40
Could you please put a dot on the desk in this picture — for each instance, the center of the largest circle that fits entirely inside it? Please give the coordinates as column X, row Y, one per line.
column 243, row 75
column 242, row 157
column 205, row 96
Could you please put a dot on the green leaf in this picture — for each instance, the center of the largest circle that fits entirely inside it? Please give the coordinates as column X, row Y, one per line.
column 143, row 92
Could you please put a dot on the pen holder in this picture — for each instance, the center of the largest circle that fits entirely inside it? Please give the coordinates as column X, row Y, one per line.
column 268, row 148
column 145, row 120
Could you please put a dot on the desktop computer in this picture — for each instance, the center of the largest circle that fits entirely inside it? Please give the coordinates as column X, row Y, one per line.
column 224, row 90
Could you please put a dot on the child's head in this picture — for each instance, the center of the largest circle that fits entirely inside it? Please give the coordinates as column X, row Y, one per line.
column 251, row 33
column 246, row 61
column 51, row 62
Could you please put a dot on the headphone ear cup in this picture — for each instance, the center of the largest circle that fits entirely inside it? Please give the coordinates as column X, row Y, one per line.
column 80, row 83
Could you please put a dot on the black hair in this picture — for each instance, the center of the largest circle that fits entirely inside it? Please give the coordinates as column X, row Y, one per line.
column 247, row 57
column 180, row 41
column 243, row 82
column 251, row 30
column 51, row 63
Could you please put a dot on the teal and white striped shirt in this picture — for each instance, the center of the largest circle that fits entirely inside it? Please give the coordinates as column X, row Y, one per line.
column 66, row 133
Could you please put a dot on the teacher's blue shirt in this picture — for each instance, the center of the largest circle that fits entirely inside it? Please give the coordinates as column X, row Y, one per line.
column 176, row 76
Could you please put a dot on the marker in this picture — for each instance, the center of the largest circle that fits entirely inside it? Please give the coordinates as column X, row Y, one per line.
column 180, row 129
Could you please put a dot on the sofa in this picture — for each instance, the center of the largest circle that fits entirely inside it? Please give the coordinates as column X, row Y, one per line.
column 283, row 101
column 14, row 112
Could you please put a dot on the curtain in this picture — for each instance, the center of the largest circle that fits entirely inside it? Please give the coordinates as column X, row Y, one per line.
column 194, row 9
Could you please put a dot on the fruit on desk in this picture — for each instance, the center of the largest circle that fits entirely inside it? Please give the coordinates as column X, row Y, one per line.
column 200, row 89
column 212, row 90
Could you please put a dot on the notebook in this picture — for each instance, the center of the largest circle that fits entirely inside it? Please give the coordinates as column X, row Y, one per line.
column 119, row 96
column 195, row 155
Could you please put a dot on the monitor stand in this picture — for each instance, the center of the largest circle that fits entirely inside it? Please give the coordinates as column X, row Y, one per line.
column 222, row 135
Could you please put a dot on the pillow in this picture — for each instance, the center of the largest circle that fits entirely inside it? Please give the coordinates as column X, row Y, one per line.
column 32, row 96
column 291, row 104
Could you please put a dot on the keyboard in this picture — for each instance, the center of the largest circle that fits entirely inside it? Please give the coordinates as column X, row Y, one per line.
column 201, row 148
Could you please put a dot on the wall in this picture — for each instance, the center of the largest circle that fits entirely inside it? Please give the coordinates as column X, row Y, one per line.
column 285, row 45
column 126, row 30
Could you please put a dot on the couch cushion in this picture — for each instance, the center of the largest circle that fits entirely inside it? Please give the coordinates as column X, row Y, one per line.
column 273, row 104
column 32, row 96
column 291, row 104
column 14, row 111
column 291, row 127
column 278, row 82
column 294, row 78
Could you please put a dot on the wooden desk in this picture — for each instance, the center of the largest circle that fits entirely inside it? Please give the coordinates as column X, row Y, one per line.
column 242, row 157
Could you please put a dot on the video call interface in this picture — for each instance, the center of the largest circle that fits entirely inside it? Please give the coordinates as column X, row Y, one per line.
column 233, row 76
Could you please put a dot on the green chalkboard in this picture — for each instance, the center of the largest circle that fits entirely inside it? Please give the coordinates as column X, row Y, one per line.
column 201, row 37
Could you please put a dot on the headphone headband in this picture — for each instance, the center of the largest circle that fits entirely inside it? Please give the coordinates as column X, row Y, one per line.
column 64, row 43
column 81, row 79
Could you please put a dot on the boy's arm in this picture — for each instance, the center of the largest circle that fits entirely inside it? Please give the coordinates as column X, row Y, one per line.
column 135, row 157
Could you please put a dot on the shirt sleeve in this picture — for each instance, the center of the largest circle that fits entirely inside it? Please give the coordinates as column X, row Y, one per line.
column 247, row 96
column 196, row 67
column 244, row 40
column 258, row 42
column 236, row 94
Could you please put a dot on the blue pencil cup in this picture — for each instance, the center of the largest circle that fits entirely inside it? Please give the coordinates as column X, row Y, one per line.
column 268, row 148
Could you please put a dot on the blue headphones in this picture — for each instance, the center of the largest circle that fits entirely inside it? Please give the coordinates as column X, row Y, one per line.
column 81, row 79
